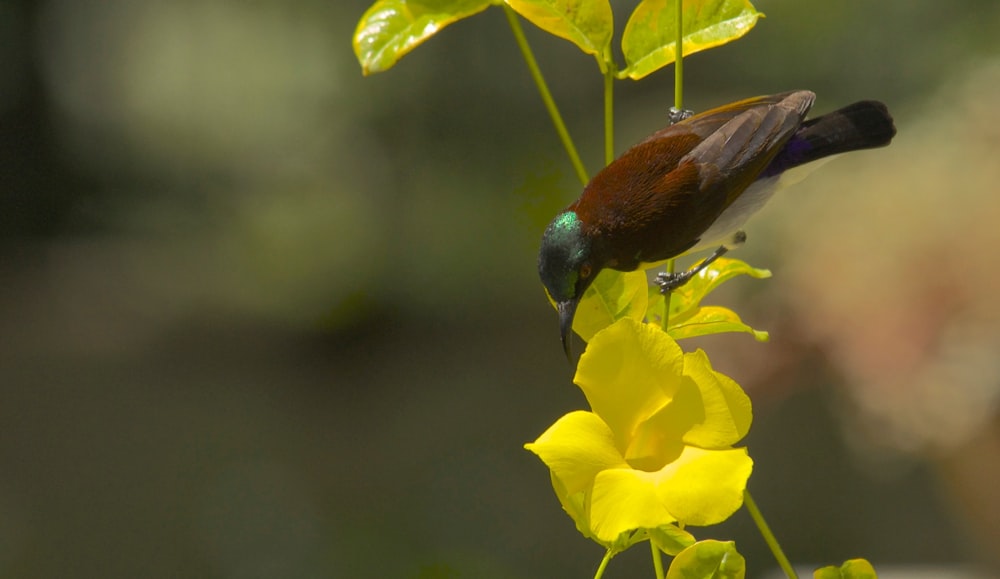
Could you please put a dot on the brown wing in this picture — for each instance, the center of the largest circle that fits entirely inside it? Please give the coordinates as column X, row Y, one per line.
column 735, row 154
column 705, row 123
column 654, row 201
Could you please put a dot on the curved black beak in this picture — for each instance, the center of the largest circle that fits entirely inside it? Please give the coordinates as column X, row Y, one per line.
column 567, row 310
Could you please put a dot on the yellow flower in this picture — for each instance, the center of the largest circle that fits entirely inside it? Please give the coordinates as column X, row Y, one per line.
column 656, row 449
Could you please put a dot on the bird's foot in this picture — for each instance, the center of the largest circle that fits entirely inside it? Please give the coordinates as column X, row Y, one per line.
column 668, row 282
column 677, row 115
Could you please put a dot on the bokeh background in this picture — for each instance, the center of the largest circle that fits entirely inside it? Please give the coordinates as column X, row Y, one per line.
column 261, row 316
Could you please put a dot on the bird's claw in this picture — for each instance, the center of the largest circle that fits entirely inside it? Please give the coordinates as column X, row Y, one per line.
column 668, row 282
column 677, row 115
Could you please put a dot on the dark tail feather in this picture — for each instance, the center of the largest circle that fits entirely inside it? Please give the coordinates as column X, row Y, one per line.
column 862, row 125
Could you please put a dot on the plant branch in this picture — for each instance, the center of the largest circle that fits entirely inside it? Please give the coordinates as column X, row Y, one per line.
column 609, row 108
column 604, row 564
column 769, row 538
column 679, row 105
column 543, row 88
column 657, row 560
column 679, row 60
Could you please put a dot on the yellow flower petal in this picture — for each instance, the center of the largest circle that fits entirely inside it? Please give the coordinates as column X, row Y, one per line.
column 624, row 500
column 727, row 410
column 704, row 487
column 629, row 371
column 577, row 447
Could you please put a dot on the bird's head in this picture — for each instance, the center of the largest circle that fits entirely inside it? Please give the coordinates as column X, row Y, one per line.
column 566, row 266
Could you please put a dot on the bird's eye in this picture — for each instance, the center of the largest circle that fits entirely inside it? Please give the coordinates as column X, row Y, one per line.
column 585, row 271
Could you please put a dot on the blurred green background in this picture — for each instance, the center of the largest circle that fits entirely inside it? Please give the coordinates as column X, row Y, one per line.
column 261, row 316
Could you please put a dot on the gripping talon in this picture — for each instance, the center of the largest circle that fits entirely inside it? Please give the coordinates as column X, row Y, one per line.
column 677, row 115
column 668, row 282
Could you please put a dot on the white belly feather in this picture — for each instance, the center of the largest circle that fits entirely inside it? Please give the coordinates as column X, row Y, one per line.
column 732, row 219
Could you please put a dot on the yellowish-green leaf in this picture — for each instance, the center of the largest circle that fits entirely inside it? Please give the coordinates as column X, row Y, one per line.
column 688, row 318
column 711, row 320
column 708, row 560
column 687, row 298
column 575, row 505
column 671, row 539
column 650, row 37
column 588, row 24
column 851, row 569
column 613, row 295
column 625, row 540
column 392, row 28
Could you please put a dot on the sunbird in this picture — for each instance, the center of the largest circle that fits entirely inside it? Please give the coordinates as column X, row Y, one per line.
column 691, row 186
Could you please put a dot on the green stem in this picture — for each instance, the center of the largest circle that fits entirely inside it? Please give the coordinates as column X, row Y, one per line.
column 543, row 88
column 678, row 104
column 604, row 564
column 679, row 61
column 772, row 543
column 609, row 108
column 667, row 297
column 657, row 560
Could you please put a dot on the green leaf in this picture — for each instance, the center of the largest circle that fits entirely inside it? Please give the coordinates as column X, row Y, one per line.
column 649, row 40
column 851, row 569
column 671, row 539
column 625, row 540
column 588, row 24
column 708, row 560
column 687, row 298
column 392, row 28
column 688, row 318
column 613, row 295
column 711, row 320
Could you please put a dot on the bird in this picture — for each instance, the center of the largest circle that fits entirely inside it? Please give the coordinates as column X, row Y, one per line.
column 691, row 186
